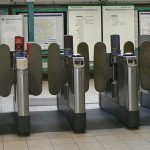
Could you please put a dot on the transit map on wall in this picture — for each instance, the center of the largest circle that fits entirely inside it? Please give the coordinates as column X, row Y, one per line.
column 85, row 26
column 48, row 28
column 10, row 26
column 118, row 20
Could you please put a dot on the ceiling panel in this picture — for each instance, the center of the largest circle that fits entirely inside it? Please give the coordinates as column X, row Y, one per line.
column 58, row 1
column 73, row 1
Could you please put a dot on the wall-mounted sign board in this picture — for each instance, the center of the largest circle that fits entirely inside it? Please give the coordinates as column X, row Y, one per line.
column 48, row 28
column 144, row 26
column 85, row 26
column 10, row 26
column 118, row 20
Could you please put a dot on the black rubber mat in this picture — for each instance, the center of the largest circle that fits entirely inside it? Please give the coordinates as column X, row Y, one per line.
column 99, row 119
column 47, row 121
column 7, row 123
column 52, row 121
column 144, row 116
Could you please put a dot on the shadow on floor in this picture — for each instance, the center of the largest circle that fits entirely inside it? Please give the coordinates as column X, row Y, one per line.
column 52, row 121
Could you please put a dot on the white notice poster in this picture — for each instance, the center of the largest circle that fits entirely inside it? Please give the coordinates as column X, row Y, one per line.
column 144, row 23
column 118, row 20
column 10, row 26
column 85, row 26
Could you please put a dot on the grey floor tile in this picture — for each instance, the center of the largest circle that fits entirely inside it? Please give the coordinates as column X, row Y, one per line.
column 40, row 142
column 15, row 145
column 1, row 146
column 60, row 141
column 41, row 148
column 71, row 146
column 101, row 132
column 141, row 147
column 1, row 138
column 55, row 135
column 37, row 136
column 13, row 137
column 136, row 142
column 85, row 140
column 91, row 146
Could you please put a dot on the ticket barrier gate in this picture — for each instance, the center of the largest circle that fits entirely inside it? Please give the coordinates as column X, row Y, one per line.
column 71, row 98
column 124, row 104
column 28, row 81
column 17, row 76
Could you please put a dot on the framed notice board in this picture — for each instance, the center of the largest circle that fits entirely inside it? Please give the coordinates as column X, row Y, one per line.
column 84, row 23
column 118, row 20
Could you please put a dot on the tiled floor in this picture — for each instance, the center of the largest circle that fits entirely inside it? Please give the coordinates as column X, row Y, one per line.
column 110, row 139
column 103, row 139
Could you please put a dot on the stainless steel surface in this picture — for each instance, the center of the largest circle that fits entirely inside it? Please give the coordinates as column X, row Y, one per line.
column 114, row 85
column 127, row 82
column 75, row 96
column 22, row 92
column 132, row 103
column 79, row 93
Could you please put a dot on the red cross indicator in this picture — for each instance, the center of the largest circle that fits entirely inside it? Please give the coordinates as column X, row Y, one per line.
column 19, row 43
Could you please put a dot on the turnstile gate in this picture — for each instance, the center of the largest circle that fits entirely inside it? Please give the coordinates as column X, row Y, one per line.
column 127, row 77
column 125, row 106
column 71, row 99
